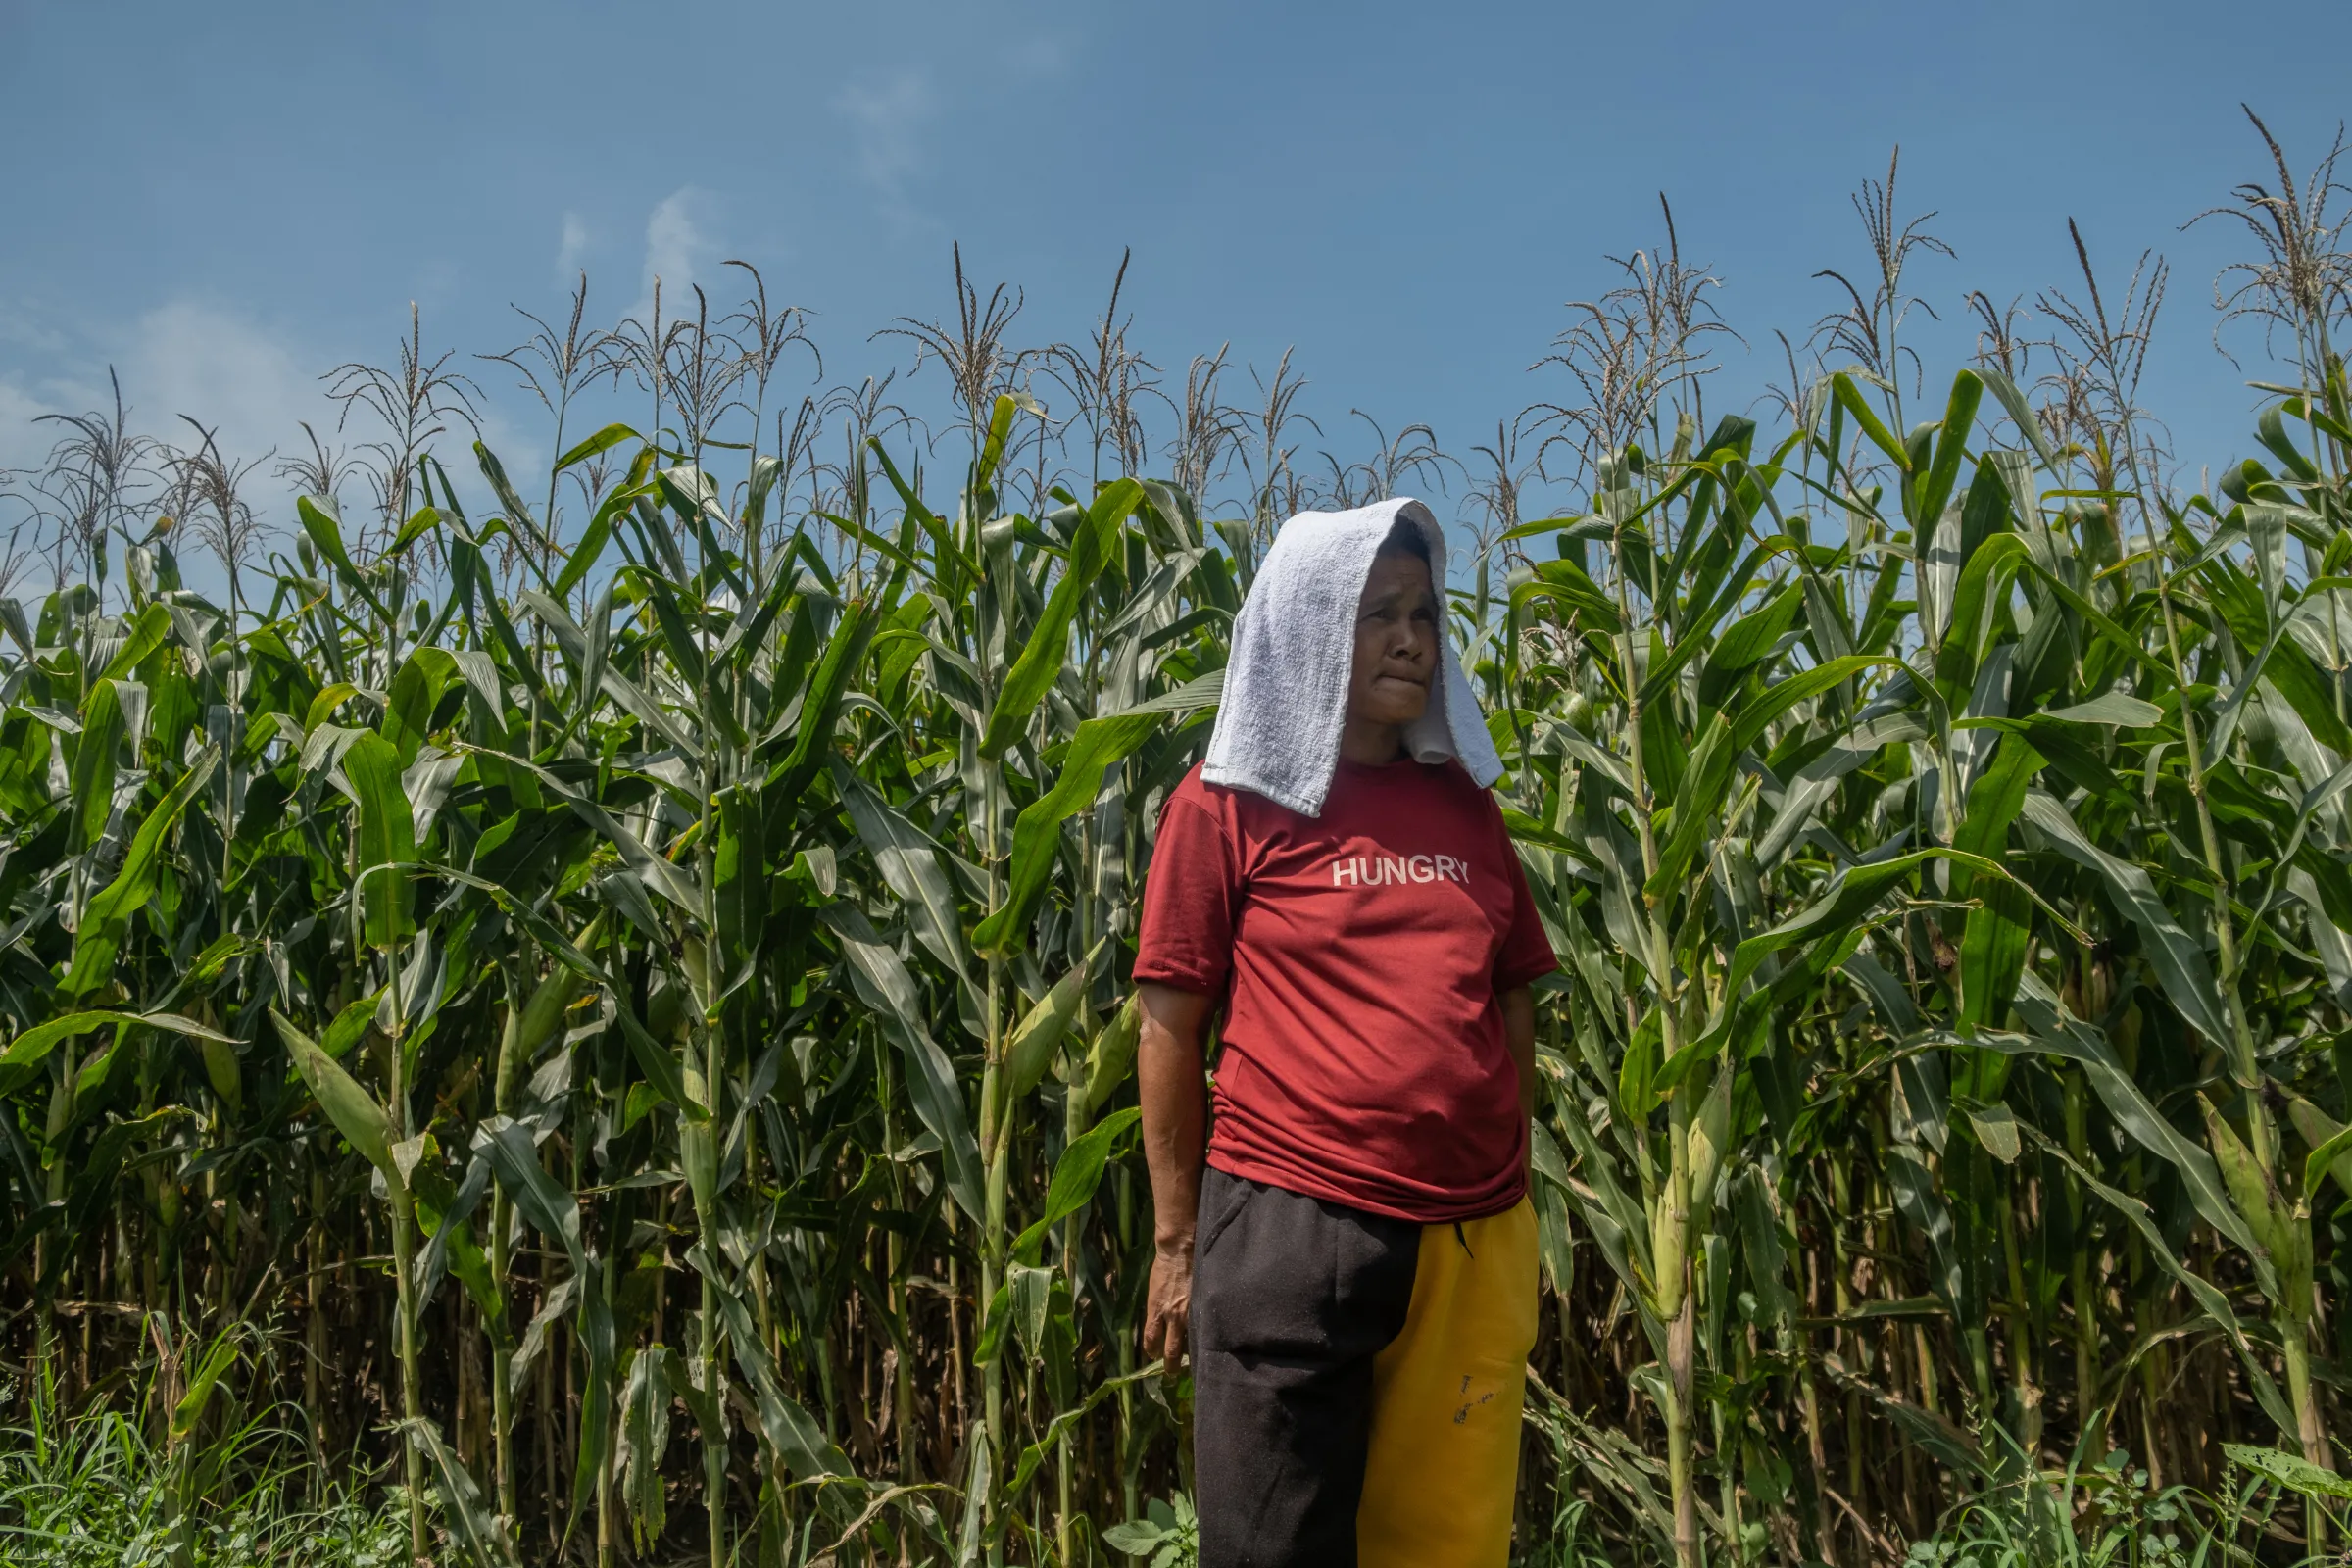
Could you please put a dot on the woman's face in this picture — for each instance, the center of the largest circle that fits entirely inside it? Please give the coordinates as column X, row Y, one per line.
column 1395, row 641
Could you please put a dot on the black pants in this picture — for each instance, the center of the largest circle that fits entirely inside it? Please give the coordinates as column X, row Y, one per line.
column 1291, row 1300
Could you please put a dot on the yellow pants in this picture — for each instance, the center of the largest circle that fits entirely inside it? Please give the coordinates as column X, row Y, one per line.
column 1446, row 1396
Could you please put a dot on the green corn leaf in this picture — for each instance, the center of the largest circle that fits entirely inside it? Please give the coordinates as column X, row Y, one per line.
column 821, row 706
column 872, row 541
column 1750, row 638
column 2284, row 667
column 2049, row 1027
column 1076, row 1176
column 882, row 981
column 1993, row 945
column 604, row 440
column 2331, row 1146
column 446, row 1214
column 2098, row 621
column 387, row 840
column 415, row 693
column 2177, row 958
column 1568, row 585
column 1034, row 1456
column 1921, row 1202
column 790, row 1431
column 1826, row 924
column 1857, row 408
column 1697, row 807
column 322, row 706
column 1976, row 597
column 556, row 1213
column 549, row 1209
column 1756, row 717
column 544, row 1012
column 1615, row 1215
column 1554, row 1236
column 1041, row 656
column 681, row 639
column 598, row 533
column 2289, row 1470
column 422, row 523
column 909, row 862
column 1638, row 1091
column 659, row 1065
column 34, row 1044
column 634, row 701
column 319, row 521
column 1998, row 934
column 107, row 920
column 597, row 1337
column 740, row 893
column 2109, row 707
column 353, row 1111
column 518, row 511
column 1817, row 781
column 92, row 779
column 659, row 874
column 1994, row 802
column 472, row 1523
column 2021, row 413
column 146, row 634
column 1934, row 487
column 1000, row 430
column 1037, row 832
column 959, row 564
column 2214, row 1305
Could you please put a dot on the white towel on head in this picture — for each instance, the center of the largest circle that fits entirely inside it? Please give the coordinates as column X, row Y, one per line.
column 1294, row 649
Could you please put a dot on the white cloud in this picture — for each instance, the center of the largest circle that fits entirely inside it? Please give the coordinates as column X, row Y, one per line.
column 677, row 246
column 573, row 245
column 228, row 372
column 21, row 442
column 250, row 381
column 245, row 381
column 24, row 329
column 887, row 113
column 18, row 407
column 238, row 375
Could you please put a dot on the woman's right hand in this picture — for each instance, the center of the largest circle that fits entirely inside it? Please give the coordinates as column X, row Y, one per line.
column 1168, row 1303
column 1175, row 1100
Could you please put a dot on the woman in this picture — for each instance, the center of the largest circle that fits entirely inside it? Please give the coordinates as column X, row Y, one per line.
column 1349, row 1257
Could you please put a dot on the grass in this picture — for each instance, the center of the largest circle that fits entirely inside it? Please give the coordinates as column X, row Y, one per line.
column 93, row 1492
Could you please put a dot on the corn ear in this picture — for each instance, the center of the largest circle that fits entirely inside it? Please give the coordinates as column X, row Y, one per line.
column 1030, row 1051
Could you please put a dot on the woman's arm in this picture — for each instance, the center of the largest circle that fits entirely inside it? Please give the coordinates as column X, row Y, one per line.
column 1519, row 1034
column 1170, row 1073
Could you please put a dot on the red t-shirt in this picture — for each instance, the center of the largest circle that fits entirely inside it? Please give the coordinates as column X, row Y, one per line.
column 1359, row 955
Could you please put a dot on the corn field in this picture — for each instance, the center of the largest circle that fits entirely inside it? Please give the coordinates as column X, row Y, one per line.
column 606, row 1005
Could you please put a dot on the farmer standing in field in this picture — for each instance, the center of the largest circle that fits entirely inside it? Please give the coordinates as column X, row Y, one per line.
column 1350, row 1256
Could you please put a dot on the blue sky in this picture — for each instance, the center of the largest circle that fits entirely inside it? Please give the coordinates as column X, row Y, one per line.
column 224, row 201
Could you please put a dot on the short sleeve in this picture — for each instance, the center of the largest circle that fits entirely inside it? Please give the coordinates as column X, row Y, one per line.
column 1526, row 953
column 1191, row 898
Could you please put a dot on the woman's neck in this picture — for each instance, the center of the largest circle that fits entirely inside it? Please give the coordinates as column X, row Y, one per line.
column 1364, row 741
